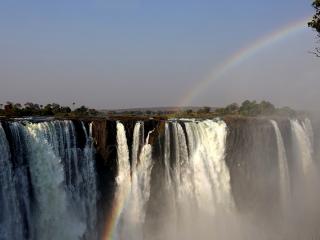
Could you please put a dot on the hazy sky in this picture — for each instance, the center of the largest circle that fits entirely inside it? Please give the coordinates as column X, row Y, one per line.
column 139, row 53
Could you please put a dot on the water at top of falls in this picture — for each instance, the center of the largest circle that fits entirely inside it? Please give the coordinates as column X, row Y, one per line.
column 204, row 176
column 303, row 144
column 47, row 177
column 50, row 170
column 123, row 179
column 136, row 144
column 308, row 128
column 144, row 172
column 167, row 150
column 135, row 203
column 172, row 183
column 283, row 166
column 10, row 217
column 196, row 189
column 138, row 186
column 89, row 186
column 123, row 156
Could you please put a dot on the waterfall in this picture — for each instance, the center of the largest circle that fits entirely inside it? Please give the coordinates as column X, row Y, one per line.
column 167, row 151
column 211, row 175
column 143, row 172
column 197, row 179
column 134, row 190
column 89, row 185
column 47, row 179
column 302, row 138
column 123, row 180
column 52, row 189
column 11, row 224
column 167, row 179
column 21, row 177
column 283, row 166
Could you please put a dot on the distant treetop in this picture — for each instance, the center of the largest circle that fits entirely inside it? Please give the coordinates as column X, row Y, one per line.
column 11, row 109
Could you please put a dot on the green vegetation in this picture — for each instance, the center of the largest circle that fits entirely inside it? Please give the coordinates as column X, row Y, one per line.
column 315, row 23
column 11, row 109
column 252, row 108
column 247, row 108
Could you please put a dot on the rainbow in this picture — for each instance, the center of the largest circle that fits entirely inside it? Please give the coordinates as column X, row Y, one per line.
column 112, row 220
column 119, row 202
column 237, row 58
column 242, row 55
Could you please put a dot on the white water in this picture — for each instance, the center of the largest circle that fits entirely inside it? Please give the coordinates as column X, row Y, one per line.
column 210, row 172
column 10, row 216
column 47, row 160
column 123, row 179
column 20, row 181
column 167, row 149
column 196, row 180
column 201, row 179
column 144, row 174
column 47, row 175
column 89, row 186
column 136, row 186
column 283, row 166
column 302, row 139
column 184, row 184
column 131, row 218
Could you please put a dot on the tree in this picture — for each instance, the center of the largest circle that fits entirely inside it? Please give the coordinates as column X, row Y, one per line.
column 8, row 108
column 47, row 110
column 266, row 108
column 55, row 108
column 93, row 112
column 250, row 108
column 204, row 110
column 315, row 23
column 81, row 111
column 189, row 111
column 232, row 108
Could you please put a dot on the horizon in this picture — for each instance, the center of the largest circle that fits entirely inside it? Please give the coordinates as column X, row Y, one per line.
column 120, row 55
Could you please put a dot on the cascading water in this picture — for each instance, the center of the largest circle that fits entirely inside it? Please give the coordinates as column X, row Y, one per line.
column 89, row 185
column 11, row 225
column 133, row 189
column 167, row 151
column 302, row 138
column 283, row 166
column 211, row 177
column 51, row 176
column 172, row 183
column 47, row 177
column 123, row 180
column 197, row 179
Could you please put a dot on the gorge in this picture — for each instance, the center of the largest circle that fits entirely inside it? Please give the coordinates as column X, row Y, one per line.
column 223, row 178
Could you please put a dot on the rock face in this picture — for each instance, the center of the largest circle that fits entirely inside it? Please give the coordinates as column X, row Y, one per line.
column 251, row 156
column 252, row 159
column 173, row 167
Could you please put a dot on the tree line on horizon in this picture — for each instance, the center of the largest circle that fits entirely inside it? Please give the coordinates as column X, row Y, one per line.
column 10, row 109
column 247, row 108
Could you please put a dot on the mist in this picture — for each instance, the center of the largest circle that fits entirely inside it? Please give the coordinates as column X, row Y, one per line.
column 154, row 171
column 257, row 180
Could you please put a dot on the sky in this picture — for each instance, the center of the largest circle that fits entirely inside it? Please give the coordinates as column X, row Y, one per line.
column 110, row 54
